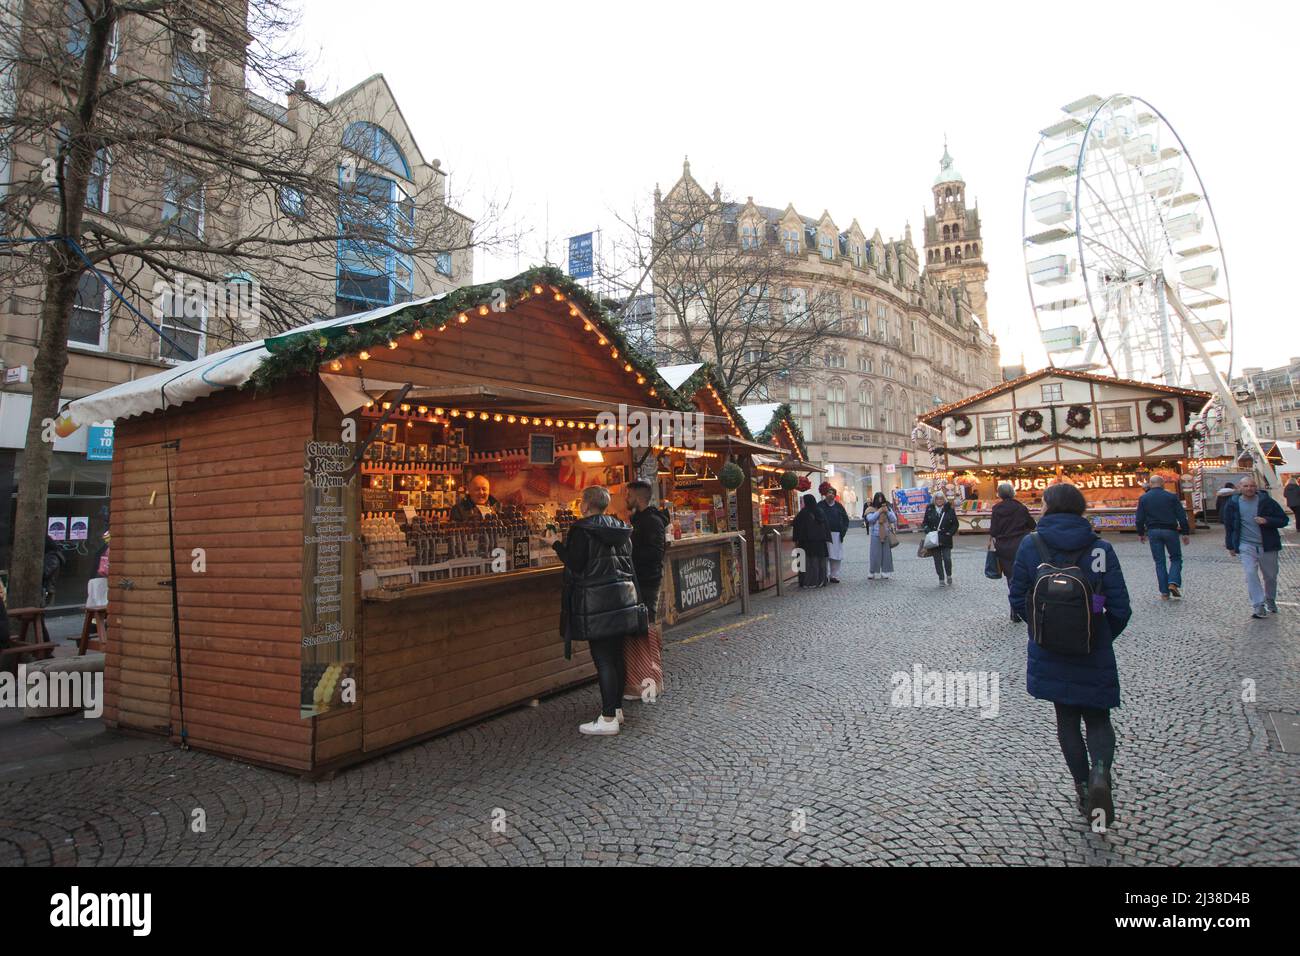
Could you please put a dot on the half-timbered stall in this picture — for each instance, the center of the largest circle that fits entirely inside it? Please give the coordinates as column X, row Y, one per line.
column 1106, row 435
column 330, row 542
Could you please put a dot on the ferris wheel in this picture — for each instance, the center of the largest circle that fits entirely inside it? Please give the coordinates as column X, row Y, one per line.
column 1123, row 258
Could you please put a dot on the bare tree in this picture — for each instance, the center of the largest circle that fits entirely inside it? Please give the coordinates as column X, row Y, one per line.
column 722, row 298
column 213, row 185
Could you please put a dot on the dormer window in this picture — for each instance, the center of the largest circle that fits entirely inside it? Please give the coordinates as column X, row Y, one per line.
column 790, row 239
column 826, row 244
column 749, row 237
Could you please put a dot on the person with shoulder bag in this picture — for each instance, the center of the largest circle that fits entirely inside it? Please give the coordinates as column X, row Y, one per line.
column 1067, row 585
column 940, row 525
column 883, row 523
column 599, row 602
column 1009, row 522
column 812, row 535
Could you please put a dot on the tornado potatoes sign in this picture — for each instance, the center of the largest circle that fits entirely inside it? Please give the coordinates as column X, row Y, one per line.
column 697, row 581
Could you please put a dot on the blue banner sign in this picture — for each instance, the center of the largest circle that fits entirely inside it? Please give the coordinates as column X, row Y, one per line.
column 580, row 264
column 99, row 443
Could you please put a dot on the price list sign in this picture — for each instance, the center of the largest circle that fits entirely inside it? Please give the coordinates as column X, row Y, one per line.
column 329, row 589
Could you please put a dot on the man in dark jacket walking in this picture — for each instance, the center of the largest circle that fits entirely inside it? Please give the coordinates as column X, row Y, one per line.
column 1162, row 518
column 643, row 655
column 599, row 603
column 1251, row 523
column 1009, row 522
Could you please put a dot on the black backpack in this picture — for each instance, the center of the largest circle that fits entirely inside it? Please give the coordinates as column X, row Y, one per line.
column 1060, row 604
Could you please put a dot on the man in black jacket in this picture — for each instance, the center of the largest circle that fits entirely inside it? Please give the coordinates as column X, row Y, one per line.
column 1292, row 495
column 599, row 603
column 643, row 656
column 837, row 520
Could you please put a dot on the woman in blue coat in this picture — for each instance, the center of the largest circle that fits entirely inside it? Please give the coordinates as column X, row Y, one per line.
column 1082, row 687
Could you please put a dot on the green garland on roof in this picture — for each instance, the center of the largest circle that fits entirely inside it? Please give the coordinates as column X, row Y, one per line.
column 302, row 352
column 707, row 374
column 1057, row 436
column 784, row 412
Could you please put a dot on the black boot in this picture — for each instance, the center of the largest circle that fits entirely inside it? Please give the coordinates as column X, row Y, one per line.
column 1082, row 790
column 1099, row 797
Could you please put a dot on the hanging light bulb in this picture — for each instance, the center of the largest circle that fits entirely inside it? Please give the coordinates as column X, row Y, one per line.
column 336, row 366
column 482, row 310
column 510, row 419
column 497, row 417
column 392, row 343
column 417, row 335
column 462, row 318
column 364, row 355
column 439, row 412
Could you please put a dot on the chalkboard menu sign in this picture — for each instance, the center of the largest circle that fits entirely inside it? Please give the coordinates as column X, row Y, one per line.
column 697, row 580
column 328, row 579
column 541, row 449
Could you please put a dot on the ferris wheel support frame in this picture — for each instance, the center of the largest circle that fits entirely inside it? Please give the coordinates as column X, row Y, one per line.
column 1242, row 423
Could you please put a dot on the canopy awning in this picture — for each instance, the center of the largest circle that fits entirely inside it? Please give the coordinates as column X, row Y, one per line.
column 729, row 442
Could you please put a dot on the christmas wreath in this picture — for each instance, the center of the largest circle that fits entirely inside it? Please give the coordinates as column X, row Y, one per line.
column 804, row 484
column 961, row 425
column 789, row 480
column 1159, row 410
column 1031, row 420
column 1079, row 416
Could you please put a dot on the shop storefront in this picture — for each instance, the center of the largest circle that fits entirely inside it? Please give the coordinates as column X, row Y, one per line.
column 77, row 511
column 1107, row 436
column 358, row 531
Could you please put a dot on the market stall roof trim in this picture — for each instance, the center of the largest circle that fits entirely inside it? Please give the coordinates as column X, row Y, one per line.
column 1195, row 399
column 781, row 418
column 705, row 376
column 313, row 347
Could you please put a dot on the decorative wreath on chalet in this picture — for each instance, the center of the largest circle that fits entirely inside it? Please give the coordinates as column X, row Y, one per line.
column 804, row 484
column 1159, row 410
column 789, row 480
column 961, row 425
column 1031, row 420
column 1078, row 416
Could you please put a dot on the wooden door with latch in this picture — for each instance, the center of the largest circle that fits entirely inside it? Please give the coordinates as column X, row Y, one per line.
column 139, row 664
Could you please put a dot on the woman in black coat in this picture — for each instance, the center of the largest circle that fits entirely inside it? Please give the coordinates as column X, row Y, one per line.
column 1010, row 522
column 813, row 535
column 940, row 517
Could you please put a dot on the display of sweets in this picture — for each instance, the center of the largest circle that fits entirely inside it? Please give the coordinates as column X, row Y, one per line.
column 385, row 544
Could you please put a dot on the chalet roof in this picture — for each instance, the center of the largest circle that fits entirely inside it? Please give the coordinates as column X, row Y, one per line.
column 305, row 349
column 1195, row 399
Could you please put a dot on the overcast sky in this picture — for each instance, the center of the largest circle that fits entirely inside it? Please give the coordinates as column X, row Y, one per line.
column 579, row 109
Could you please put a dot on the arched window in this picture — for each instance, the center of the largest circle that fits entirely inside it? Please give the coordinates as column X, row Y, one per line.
column 886, row 408
column 945, row 232
column 976, row 247
column 375, row 144
column 947, row 254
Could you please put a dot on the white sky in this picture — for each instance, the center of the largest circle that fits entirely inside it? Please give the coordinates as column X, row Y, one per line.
column 580, row 108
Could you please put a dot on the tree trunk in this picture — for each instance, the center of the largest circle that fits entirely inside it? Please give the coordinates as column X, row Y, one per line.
column 62, row 273
column 47, row 379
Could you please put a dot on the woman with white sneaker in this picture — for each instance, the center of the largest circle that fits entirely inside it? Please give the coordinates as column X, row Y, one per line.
column 599, row 603
column 880, row 518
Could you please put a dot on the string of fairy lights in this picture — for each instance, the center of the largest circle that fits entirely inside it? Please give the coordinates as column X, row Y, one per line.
column 463, row 318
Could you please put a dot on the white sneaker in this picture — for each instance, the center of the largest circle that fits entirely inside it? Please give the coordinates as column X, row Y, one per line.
column 602, row 726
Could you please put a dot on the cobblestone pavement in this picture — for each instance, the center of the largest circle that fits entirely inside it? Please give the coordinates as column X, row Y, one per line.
column 784, row 714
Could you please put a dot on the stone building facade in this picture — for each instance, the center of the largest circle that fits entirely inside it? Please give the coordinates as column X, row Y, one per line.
column 109, row 345
column 910, row 336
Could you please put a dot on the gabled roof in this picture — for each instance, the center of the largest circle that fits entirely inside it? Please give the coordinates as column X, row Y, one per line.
column 780, row 421
column 705, row 378
column 306, row 349
column 1195, row 399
